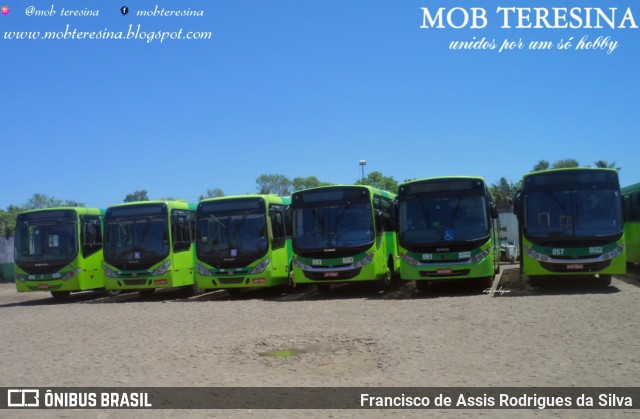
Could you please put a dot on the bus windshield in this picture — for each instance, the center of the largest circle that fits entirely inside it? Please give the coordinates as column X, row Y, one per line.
column 240, row 235
column 45, row 241
column 334, row 225
column 572, row 213
column 443, row 218
column 136, row 234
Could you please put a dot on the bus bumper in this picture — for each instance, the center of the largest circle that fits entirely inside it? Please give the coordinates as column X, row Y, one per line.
column 432, row 272
column 336, row 276
column 268, row 278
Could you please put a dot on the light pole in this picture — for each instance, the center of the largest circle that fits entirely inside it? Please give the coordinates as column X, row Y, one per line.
column 362, row 164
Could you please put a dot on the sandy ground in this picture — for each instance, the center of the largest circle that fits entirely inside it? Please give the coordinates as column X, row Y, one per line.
column 451, row 335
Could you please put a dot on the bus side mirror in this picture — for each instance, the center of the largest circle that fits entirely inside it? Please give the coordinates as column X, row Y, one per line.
column 379, row 221
column 395, row 215
column 517, row 204
column 494, row 211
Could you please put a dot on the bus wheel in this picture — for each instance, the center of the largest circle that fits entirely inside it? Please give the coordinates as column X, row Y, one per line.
column 421, row 285
column 60, row 295
column 112, row 293
column 384, row 283
column 323, row 288
column 233, row 292
column 536, row 281
column 146, row 293
column 603, row 280
column 193, row 289
column 290, row 286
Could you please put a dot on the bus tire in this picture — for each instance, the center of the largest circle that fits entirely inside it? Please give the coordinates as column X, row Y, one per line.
column 112, row 293
column 603, row 280
column 193, row 290
column 421, row 285
column 536, row 281
column 486, row 282
column 323, row 288
column 385, row 281
column 146, row 293
column 395, row 275
column 290, row 286
column 60, row 295
column 233, row 292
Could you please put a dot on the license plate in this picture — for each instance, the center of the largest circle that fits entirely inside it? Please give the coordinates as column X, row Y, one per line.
column 444, row 271
column 43, row 286
column 575, row 266
column 331, row 274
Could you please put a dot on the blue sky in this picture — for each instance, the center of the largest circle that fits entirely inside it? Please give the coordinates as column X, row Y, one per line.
column 301, row 88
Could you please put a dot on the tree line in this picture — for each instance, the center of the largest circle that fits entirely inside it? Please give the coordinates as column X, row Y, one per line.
column 503, row 190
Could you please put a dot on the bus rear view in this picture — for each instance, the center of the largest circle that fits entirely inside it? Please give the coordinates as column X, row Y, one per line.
column 571, row 224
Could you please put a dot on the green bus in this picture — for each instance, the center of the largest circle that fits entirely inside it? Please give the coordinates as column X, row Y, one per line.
column 631, row 214
column 150, row 245
column 570, row 223
column 59, row 250
column 447, row 230
column 243, row 242
column 343, row 234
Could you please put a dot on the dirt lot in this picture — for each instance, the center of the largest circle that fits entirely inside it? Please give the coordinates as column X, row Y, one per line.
column 570, row 334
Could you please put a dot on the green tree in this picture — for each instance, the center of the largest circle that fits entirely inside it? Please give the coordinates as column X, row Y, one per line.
column 39, row 201
column 541, row 165
column 504, row 192
column 274, row 183
column 139, row 195
column 606, row 165
column 8, row 220
column 212, row 193
column 300, row 183
column 562, row 164
column 378, row 180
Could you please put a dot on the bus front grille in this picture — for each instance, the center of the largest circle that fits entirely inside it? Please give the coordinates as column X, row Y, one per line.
column 453, row 272
column 332, row 275
column 142, row 281
column 49, row 288
column 575, row 266
column 231, row 280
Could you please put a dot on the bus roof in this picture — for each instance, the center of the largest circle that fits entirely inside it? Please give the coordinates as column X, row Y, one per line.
column 630, row 189
column 373, row 189
column 77, row 210
column 176, row 203
column 571, row 169
column 440, row 178
column 268, row 198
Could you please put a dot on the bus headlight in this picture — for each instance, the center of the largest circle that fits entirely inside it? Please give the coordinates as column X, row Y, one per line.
column 261, row 267
column 162, row 269
column 532, row 253
column 110, row 273
column 408, row 259
column 71, row 274
column 21, row 277
column 477, row 258
column 202, row 270
column 364, row 261
column 299, row 264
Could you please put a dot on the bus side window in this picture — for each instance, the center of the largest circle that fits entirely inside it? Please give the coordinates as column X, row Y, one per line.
column 91, row 234
column 181, row 230
column 277, row 226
